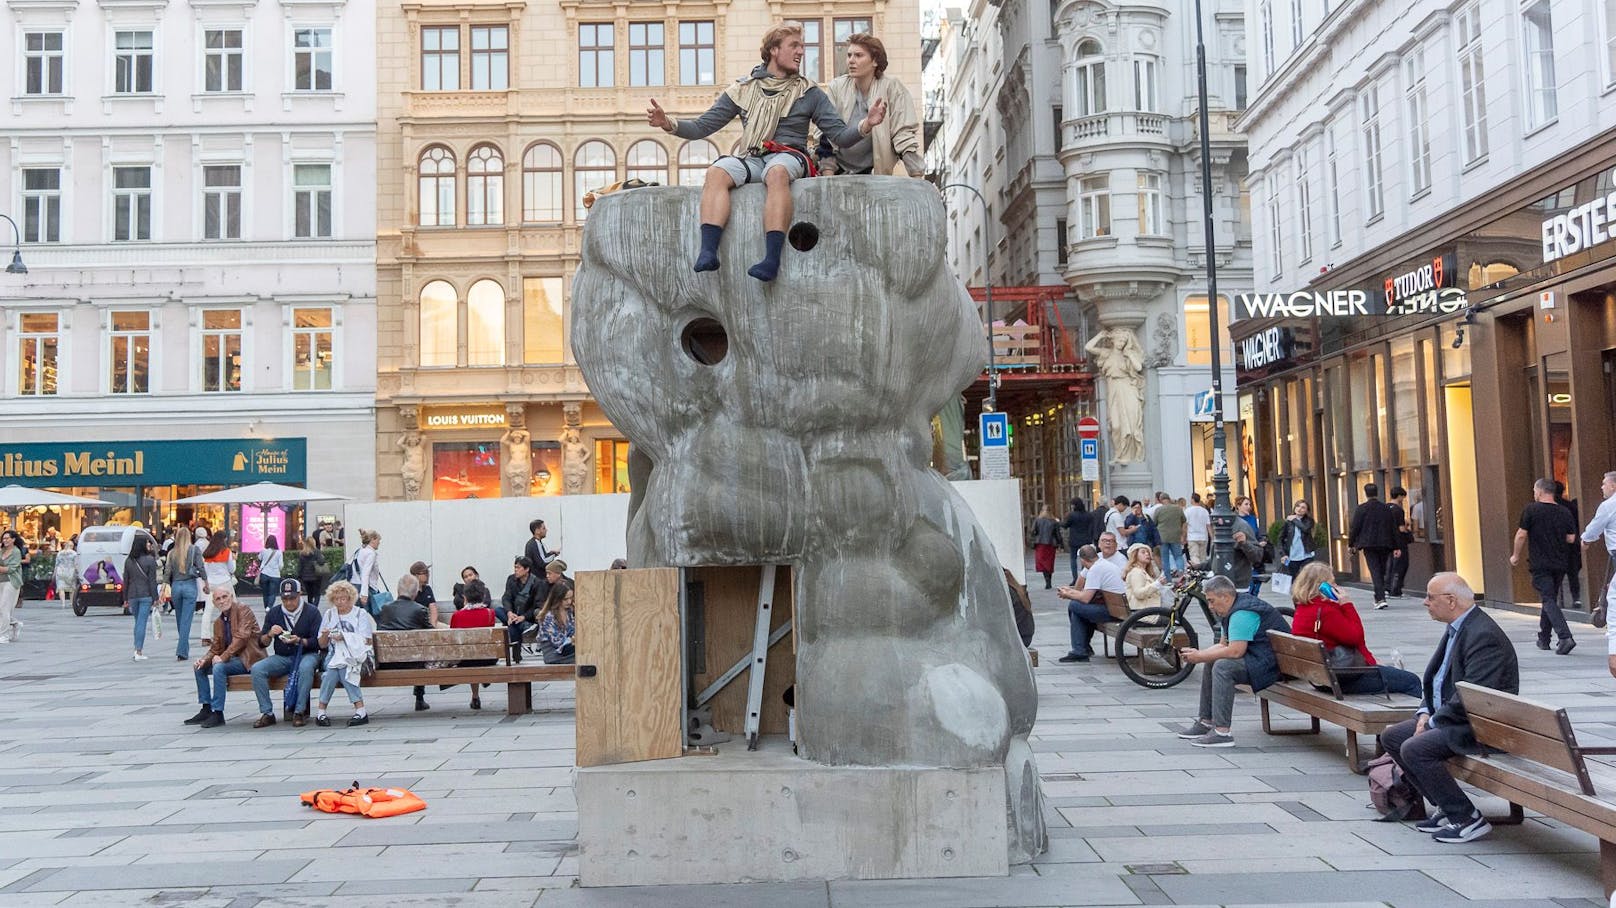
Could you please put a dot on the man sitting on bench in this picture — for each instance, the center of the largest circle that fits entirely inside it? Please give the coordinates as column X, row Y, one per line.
column 1473, row 649
column 1244, row 657
column 1086, row 602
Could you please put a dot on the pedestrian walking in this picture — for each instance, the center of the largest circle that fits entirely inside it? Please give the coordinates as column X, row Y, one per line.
column 1046, row 539
column 67, row 571
column 311, row 570
column 1373, row 532
column 140, row 588
column 1170, row 523
column 10, row 584
column 182, row 571
column 1398, row 569
column 271, row 561
column 1574, row 556
column 1197, row 529
column 1546, row 532
column 1603, row 528
column 1079, row 529
column 1296, row 539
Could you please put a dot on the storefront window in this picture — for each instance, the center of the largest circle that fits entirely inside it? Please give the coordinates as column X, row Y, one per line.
column 1198, row 332
column 1362, row 412
column 611, row 466
column 1405, row 405
column 465, row 470
column 1558, row 400
column 1299, row 438
column 546, row 478
column 1433, row 411
column 541, row 320
column 1339, row 413
column 1455, row 352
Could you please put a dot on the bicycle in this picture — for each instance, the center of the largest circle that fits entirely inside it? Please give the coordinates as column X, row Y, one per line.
column 1149, row 640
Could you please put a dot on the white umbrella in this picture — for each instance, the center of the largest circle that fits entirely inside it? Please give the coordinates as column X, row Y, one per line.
column 261, row 495
column 15, row 497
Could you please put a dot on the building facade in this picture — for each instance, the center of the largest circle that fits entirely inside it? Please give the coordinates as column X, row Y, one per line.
column 496, row 120
column 194, row 184
column 1434, row 307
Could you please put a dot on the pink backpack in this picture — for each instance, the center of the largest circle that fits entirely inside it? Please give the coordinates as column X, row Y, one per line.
column 1393, row 795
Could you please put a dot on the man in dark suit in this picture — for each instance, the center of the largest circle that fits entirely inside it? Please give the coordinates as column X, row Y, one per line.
column 1374, row 533
column 1474, row 649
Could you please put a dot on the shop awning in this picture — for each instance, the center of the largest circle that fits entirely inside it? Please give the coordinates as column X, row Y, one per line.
column 261, row 494
column 15, row 497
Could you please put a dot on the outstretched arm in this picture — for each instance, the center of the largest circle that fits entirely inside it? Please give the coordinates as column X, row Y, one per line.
column 831, row 124
column 716, row 118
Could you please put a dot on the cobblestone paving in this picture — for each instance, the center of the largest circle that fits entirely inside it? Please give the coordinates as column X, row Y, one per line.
column 107, row 799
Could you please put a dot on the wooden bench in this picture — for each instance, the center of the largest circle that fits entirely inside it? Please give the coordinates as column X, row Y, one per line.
column 448, row 647
column 1304, row 668
column 1542, row 767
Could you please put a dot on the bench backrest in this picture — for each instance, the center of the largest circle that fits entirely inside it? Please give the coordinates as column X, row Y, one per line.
column 1304, row 659
column 1523, row 728
column 456, row 645
column 1116, row 604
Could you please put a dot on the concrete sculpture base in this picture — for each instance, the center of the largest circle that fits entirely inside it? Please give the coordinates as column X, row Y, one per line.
column 771, row 816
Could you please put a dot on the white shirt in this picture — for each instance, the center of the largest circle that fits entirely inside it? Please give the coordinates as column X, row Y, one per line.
column 1197, row 523
column 269, row 563
column 357, row 627
column 1118, row 559
column 1104, row 576
column 1604, row 523
column 1113, row 522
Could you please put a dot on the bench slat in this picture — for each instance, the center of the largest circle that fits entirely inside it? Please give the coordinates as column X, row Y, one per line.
column 1301, row 657
column 397, row 653
column 1540, row 788
column 1366, row 714
column 1116, row 604
column 1512, row 709
column 1524, row 743
column 1537, row 731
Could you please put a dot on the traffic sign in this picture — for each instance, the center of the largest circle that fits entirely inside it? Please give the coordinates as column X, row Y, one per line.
column 993, row 445
column 1088, row 427
column 1089, row 449
column 995, row 429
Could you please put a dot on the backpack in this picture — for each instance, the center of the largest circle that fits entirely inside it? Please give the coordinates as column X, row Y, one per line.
column 348, row 571
column 1393, row 795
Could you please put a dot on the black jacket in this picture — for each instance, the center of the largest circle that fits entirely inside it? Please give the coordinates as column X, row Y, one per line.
column 521, row 598
column 1245, row 562
column 1307, row 526
column 1482, row 655
column 307, row 627
column 403, row 615
column 1080, row 530
column 1374, row 526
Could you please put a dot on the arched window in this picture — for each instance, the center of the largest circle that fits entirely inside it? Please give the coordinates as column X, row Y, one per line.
column 541, row 183
column 594, row 165
column 648, row 161
column 437, row 178
column 439, row 324
column 485, row 324
column 485, row 186
column 1090, row 88
column 694, row 158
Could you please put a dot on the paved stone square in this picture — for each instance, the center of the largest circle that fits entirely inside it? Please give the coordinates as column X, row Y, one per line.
column 107, row 799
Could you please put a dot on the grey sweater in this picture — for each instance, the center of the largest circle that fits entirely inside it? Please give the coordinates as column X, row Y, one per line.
column 139, row 578
column 814, row 106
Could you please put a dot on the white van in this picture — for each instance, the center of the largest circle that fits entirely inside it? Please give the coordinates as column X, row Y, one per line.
column 110, row 544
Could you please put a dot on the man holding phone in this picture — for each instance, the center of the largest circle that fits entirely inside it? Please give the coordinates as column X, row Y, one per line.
column 293, row 628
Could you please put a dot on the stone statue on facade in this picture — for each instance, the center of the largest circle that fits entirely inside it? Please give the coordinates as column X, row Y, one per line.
column 518, row 445
column 574, row 462
column 1118, row 357
column 413, row 469
column 1164, row 341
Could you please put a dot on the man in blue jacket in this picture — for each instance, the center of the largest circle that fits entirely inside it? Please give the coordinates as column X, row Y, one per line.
column 775, row 103
column 294, row 629
column 1244, row 657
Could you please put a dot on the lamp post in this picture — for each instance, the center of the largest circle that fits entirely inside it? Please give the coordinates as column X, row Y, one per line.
column 987, row 283
column 16, row 266
column 1222, row 513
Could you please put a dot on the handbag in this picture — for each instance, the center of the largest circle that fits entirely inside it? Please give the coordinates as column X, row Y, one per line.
column 1338, row 657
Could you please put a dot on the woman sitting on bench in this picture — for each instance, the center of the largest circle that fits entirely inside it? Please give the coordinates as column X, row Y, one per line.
column 1322, row 615
column 557, row 625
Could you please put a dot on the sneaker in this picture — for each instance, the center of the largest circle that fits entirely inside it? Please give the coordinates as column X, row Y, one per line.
column 214, row 720
column 201, row 715
column 1565, row 646
column 1466, row 831
column 358, row 720
column 1196, row 730
column 1070, row 658
column 264, row 721
column 1213, row 739
column 1381, row 604
column 322, row 720
column 1432, row 826
column 1543, row 642
column 138, row 656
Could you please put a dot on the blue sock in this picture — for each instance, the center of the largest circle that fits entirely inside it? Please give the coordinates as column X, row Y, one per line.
column 710, row 235
column 769, row 268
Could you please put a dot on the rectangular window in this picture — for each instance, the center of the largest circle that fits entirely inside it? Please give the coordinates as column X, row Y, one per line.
column 221, row 349
column 1472, row 83
column 1374, row 187
column 130, row 342
column 1062, row 239
column 1198, row 332
column 595, row 62
column 1091, row 87
column 37, row 346
column 1304, row 207
column 542, row 340
column 311, row 349
column 1094, row 207
column 131, row 203
column 1151, row 220
column 1419, row 123
column 221, row 202
column 221, row 59
column 647, row 53
column 311, row 201
column 1059, row 115
column 1542, row 105
column 611, row 465
column 813, row 48
column 1144, row 84
column 1239, row 88
column 132, row 65
column 697, row 54
column 1332, row 176
column 1275, row 232
column 1405, row 405
column 1610, row 41
column 842, row 30
column 311, row 59
column 43, row 66
column 42, row 205
column 490, row 57
column 1265, row 17
column 440, row 58
column 1296, row 24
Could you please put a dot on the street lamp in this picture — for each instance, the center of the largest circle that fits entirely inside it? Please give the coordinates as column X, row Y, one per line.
column 992, row 405
column 16, row 266
column 1222, row 513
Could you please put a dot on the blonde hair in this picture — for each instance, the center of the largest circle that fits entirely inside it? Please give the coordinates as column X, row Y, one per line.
column 182, row 547
column 777, row 36
column 1305, row 588
column 1151, row 570
column 366, row 537
column 344, row 589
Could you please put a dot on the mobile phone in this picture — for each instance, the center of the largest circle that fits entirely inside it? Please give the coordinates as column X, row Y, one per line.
column 1328, row 589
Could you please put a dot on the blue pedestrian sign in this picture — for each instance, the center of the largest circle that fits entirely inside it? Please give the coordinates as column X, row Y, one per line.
column 993, row 446
column 995, row 430
column 1089, row 451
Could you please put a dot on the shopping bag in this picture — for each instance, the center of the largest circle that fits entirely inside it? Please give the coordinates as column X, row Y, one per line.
column 1280, row 584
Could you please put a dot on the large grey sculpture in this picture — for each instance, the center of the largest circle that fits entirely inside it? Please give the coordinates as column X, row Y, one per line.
column 790, row 423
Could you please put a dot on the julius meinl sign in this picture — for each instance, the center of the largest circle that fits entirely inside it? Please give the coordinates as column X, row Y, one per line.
column 1428, row 287
column 129, row 463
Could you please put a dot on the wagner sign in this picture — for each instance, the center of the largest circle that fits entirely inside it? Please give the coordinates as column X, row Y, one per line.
column 209, row 461
column 1424, row 287
column 473, row 416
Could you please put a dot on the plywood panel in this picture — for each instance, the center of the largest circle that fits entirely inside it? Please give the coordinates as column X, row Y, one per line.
column 628, row 629
column 730, row 596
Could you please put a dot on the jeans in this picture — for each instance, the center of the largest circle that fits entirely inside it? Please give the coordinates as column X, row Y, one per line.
column 1084, row 618
column 1217, row 690
column 183, row 593
column 219, row 674
column 9, row 596
column 1397, row 571
column 1172, row 556
column 1424, row 759
column 1075, row 566
column 329, row 681
column 142, row 610
column 275, row 666
column 1547, row 584
column 270, row 588
column 1379, row 563
column 1387, row 680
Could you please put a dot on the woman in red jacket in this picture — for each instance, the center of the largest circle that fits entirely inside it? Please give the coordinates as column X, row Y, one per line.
column 1325, row 617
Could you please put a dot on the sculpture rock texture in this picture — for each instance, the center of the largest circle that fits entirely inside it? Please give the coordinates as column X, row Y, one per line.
column 790, row 423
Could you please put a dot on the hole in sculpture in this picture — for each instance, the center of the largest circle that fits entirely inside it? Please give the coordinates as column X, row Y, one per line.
column 803, row 236
column 705, row 341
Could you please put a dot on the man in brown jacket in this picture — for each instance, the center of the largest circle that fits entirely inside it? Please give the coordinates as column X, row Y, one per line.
column 233, row 651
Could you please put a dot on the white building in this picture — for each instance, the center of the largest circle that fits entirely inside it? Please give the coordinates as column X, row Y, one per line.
column 195, row 186
column 1079, row 121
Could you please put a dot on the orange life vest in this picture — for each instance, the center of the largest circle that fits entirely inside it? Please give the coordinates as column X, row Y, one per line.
column 370, row 802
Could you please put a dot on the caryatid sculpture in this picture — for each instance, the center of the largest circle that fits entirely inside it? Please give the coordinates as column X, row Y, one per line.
column 790, row 423
column 1119, row 357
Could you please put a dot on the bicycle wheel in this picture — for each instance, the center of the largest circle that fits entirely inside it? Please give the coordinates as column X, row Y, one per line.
column 1147, row 648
